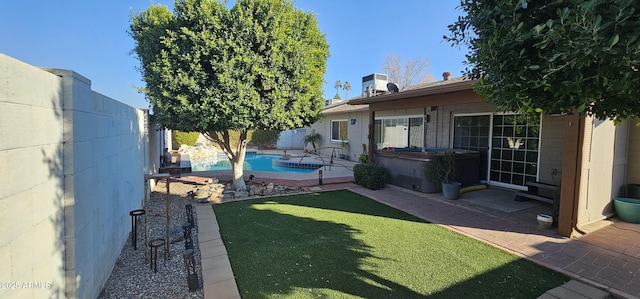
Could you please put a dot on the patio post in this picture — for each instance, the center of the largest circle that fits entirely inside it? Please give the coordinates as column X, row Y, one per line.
column 372, row 120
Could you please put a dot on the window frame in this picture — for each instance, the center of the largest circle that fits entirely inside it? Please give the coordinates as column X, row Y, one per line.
column 381, row 119
column 339, row 121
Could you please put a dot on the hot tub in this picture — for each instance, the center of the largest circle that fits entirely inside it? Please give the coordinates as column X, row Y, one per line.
column 405, row 167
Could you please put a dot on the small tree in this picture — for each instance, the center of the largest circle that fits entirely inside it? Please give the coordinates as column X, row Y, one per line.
column 554, row 56
column 312, row 138
column 346, row 87
column 214, row 70
column 337, row 86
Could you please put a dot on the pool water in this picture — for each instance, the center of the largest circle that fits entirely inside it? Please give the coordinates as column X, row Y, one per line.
column 257, row 162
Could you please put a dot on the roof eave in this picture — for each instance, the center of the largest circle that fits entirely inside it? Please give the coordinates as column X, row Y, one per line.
column 427, row 91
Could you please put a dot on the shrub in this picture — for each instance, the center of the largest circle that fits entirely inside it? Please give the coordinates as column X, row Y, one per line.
column 262, row 137
column 371, row 176
column 188, row 138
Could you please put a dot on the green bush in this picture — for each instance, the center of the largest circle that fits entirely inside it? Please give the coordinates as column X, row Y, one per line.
column 371, row 176
column 188, row 138
column 263, row 137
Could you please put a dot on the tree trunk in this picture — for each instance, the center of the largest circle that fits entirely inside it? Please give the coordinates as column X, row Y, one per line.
column 236, row 156
column 237, row 166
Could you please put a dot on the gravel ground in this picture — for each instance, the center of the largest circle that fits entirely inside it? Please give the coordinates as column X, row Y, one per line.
column 133, row 278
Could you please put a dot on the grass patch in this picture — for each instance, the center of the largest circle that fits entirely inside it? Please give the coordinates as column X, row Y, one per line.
column 342, row 245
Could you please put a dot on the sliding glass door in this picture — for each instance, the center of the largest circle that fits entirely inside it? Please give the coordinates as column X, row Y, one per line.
column 508, row 146
column 471, row 132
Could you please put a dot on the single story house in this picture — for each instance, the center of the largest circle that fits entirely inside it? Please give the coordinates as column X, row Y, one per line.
column 590, row 160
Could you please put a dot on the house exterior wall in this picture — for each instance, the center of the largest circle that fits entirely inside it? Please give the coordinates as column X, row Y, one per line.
column 73, row 161
column 357, row 133
column 551, row 140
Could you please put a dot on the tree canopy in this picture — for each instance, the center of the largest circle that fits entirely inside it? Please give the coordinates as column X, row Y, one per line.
column 413, row 71
column 554, row 56
column 211, row 69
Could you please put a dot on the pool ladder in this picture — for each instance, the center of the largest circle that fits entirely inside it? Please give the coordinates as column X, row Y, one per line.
column 315, row 150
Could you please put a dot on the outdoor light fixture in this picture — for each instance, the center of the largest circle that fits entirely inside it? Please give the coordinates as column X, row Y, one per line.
column 353, row 121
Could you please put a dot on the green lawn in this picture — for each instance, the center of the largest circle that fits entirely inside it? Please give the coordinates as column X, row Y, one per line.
column 342, row 245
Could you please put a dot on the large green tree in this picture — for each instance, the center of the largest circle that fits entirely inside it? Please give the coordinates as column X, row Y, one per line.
column 213, row 69
column 554, row 56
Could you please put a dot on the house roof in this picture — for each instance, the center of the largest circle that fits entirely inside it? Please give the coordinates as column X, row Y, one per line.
column 419, row 90
column 342, row 107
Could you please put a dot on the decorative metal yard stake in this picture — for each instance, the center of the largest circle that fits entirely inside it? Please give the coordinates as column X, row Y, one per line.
column 190, row 268
column 186, row 231
column 153, row 252
column 189, row 211
column 157, row 176
column 134, row 226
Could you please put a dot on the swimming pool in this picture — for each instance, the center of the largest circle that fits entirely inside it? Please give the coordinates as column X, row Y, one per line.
column 257, row 162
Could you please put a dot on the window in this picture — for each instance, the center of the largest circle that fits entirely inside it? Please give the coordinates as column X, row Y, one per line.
column 339, row 130
column 399, row 132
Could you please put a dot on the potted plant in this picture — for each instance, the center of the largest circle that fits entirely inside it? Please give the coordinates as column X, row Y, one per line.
column 442, row 170
column 343, row 148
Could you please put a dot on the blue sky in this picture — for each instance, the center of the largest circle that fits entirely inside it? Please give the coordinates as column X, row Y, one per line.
column 90, row 38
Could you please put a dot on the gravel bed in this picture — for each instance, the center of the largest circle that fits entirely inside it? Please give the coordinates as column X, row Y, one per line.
column 133, row 278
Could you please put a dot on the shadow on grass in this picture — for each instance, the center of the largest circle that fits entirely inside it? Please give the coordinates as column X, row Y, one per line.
column 275, row 253
column 314, row 256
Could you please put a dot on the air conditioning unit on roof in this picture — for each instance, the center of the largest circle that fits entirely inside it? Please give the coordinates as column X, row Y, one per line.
column 376, row 82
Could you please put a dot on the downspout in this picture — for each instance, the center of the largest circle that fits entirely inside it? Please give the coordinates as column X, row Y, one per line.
column 372, row 117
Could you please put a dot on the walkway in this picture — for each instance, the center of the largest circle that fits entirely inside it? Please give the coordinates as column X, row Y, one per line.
column 607, row 259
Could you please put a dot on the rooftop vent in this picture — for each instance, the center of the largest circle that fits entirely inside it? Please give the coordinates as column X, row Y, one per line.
column 446, row 76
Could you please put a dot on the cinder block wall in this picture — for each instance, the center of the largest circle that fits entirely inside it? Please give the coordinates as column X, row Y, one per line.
column 31, row 196
column 74, row 161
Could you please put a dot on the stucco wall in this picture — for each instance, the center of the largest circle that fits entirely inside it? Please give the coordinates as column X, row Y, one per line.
column 358, row 133
column 73, row 161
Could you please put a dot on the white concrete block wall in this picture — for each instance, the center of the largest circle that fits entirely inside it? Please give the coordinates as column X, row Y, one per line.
column 31, row 197
column 73, row 163
column 104, row 156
